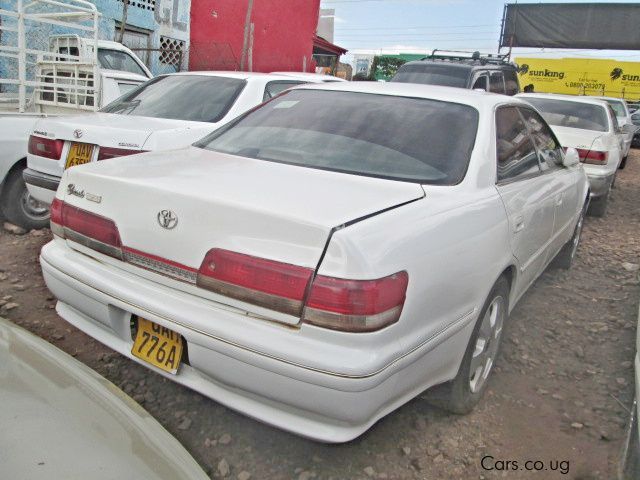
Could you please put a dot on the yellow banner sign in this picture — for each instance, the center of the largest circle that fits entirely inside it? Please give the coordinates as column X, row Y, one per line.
column 580, row 76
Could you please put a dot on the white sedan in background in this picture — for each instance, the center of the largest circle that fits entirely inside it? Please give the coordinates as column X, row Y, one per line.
column 326, row 257
column 168, row 111
column 589, row 125
column 623, row 117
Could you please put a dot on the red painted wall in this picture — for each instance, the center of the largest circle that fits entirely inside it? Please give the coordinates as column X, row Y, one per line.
column 283, row 34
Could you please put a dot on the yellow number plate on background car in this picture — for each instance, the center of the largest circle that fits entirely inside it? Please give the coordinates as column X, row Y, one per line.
column 79, row 153
column 158, row 346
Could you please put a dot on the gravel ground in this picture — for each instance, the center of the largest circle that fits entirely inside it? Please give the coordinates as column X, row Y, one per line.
column 561, row 391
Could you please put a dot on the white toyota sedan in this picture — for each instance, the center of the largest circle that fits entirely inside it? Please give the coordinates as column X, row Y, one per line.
column 589, row 125
column 168, row 111
column 325, row 258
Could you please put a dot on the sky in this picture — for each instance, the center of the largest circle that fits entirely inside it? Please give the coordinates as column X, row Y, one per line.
column 394, row 26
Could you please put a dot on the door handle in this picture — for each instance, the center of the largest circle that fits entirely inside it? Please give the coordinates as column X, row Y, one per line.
column 559, row 200
column 518, row 225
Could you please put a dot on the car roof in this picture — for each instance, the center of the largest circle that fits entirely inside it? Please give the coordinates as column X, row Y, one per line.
column 565, row 98
column 469, row 64
column 612, row 98
column 319, row 76
column 238, row 75
column 474, row 98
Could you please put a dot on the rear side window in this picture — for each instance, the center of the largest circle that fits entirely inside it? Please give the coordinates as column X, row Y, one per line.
column 433, row 74
column 274, row 88
column 481, row 83
column 618, row 107
column 496, row 82
column 409, row 139
column 516, row 154
column 549, row 148
column 614, row 119
column 511, row 82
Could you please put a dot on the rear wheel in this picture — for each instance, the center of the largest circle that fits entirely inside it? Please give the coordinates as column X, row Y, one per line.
column 623, row 163
column 19, row 207
column 567, row 253
column 462, row 393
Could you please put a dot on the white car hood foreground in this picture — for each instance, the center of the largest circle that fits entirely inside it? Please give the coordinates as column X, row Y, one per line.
column 61, row 420
column 263, row 208
column 125, row 131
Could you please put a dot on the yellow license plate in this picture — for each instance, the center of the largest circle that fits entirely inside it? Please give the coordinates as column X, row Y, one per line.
column 157, row 345
column 79, row 153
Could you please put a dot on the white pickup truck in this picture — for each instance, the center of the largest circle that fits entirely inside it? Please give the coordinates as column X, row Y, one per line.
column 67, row 76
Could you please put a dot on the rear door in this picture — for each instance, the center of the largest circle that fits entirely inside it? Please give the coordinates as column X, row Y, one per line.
column 563, row 183
column 526, row 193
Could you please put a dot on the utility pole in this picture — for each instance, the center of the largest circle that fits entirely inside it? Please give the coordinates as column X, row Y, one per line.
column 247, row 32
column 125, row 7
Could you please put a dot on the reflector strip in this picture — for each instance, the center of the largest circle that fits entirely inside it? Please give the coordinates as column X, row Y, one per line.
column 160, row 265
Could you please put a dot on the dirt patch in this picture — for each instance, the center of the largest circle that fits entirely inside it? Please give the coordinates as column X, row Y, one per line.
column 561, row 391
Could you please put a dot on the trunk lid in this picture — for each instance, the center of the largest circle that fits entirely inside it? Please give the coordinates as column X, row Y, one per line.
column 128, row 132
column 576, row 137
column 274, row 211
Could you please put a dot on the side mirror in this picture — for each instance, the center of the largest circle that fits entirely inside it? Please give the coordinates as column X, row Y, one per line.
column 628, row 128
column 571, row 157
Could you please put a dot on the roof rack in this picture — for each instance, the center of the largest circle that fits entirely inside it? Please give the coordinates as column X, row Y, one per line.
column 476, row 56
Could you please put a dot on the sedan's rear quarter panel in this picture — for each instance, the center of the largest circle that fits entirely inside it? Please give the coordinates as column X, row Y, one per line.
column 454, row 244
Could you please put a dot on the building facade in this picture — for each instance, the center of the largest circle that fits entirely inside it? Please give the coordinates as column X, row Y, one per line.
column 260, row 36
column 157, row 30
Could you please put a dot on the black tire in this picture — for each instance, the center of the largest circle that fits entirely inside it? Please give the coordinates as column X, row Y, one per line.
column 623, row 163
column 458, row 396
column 19, row 207
column 564, row 258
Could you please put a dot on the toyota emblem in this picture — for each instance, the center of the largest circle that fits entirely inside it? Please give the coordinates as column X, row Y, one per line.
column 167, row 219
column 77, row 133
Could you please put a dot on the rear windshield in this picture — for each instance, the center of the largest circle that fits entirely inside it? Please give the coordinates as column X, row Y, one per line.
column 618, row 107
column 430, row 74
column 197, row 98
column 409, row 139
column 563, row 113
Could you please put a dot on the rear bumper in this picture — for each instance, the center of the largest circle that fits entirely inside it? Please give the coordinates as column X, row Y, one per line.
column 41, row 185
column 599, row 185
column 314, row 403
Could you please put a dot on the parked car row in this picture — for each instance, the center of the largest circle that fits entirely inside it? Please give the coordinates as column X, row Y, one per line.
column 591, row 126
column 169, row 111
column 273, row 241
column 284, row 263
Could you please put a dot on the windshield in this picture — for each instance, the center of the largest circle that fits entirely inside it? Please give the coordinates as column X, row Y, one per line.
column 433, row 74
column 410, row 139
column 563, row 113
column 198, row 98
column 618, row 107
column 118, row 60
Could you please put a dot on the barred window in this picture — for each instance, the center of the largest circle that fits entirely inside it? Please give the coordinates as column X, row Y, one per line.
column 143, row 4
column 171, row 51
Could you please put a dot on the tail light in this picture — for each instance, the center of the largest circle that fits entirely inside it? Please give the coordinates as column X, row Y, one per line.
column 335, row 303
column 356, row 305
column 88, row 229
column 105, row 153
column 593, row 157
column 267, row 283
column 45, row 147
